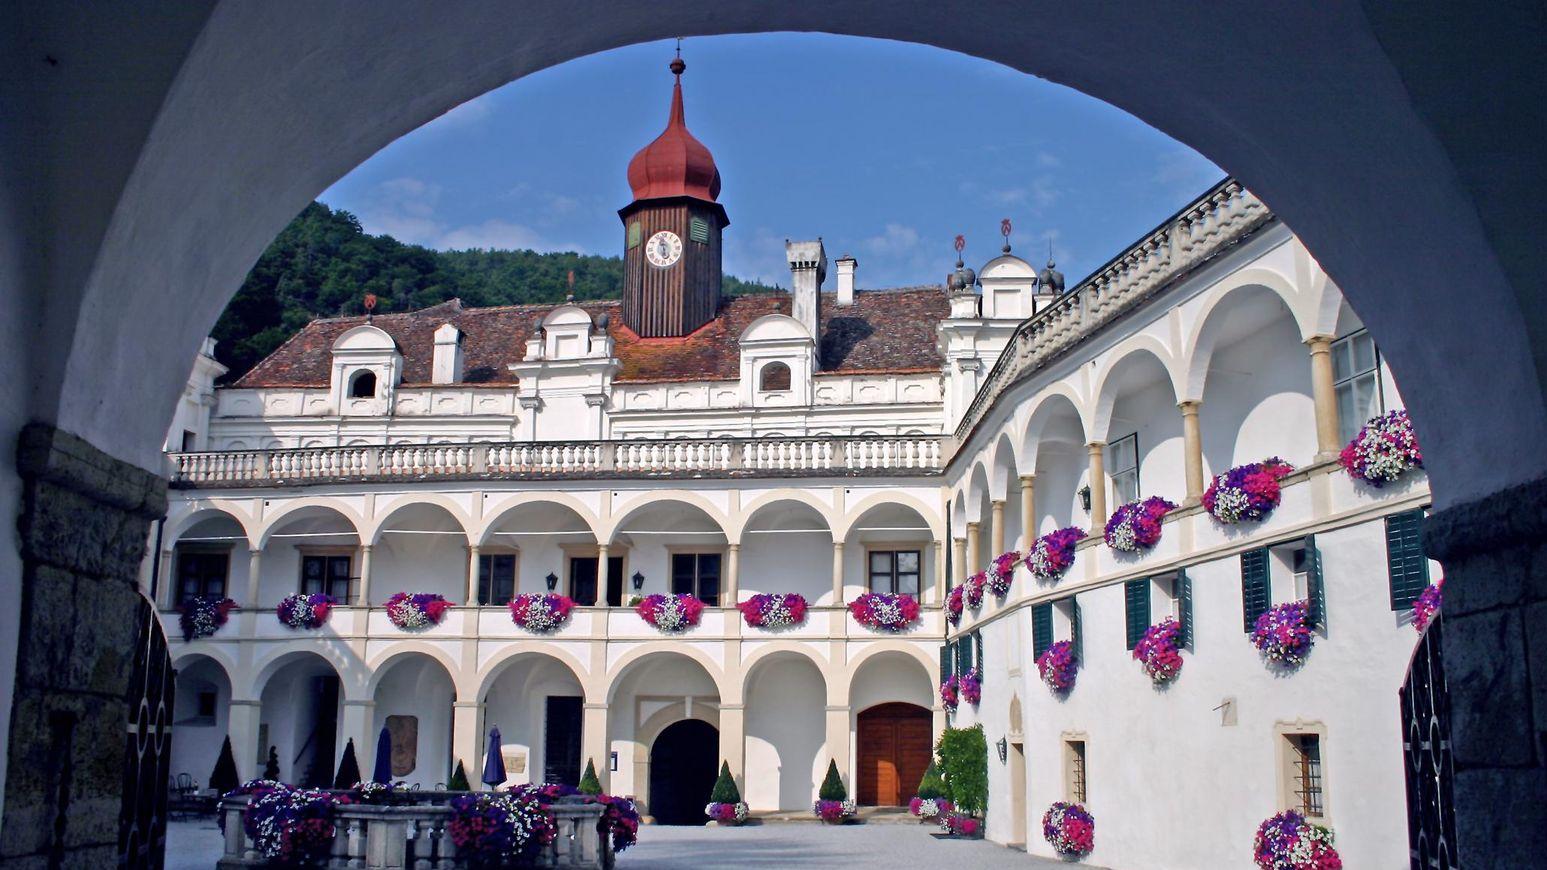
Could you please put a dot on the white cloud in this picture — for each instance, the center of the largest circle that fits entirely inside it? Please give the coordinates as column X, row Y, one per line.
column 897, row 240
column 408, row 209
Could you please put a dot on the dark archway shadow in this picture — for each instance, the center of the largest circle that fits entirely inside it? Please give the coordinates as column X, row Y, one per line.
column 683, row 766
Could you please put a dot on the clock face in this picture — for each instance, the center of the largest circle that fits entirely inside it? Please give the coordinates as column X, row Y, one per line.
column 664, row 249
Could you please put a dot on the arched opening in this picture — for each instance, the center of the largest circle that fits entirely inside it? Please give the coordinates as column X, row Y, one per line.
column 1143, row 431
column 684, row 761
column 530, row 541
column 413, row 699
column 302, row 706
column 209, row 558
column 420, row 547
column 1055, row 437
column 315, row 548
column 646, row 696
column 362, row 385
column 678, row 548
column 893, row 748
column 202, row 709
column 537, row 703
column 786, row 546
column 785, row 754
column 775, row 377
column 889, row 548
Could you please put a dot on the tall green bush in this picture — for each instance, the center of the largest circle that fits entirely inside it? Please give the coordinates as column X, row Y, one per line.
column 932, row 787
column 963, row 754
column 223, row 778
column 832, row 786
column 725, row 791
column 459, row 779
column 589, row 784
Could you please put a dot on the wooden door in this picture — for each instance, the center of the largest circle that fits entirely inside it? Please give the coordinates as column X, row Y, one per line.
column 893, row 751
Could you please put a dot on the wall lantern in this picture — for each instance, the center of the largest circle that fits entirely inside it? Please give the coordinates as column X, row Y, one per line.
column 1004, row 750
column 552, row 580
column 639, row 581
column 1085, row 498
column 615, row 762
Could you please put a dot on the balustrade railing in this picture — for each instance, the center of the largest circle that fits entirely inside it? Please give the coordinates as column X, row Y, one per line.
column 875, row 454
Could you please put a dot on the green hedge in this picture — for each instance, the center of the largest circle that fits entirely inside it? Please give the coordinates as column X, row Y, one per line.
column 963, row 754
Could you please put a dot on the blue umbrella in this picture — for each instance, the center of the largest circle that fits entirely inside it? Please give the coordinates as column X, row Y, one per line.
column 494, row 762
column 383, row 772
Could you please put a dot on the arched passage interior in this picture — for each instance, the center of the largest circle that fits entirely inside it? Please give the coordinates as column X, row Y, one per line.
column 301, row 709
column 413, row 702
column 683, row 765
column 786, row 752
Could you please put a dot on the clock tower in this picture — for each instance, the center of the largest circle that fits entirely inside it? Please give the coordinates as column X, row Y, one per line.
column 671, row 255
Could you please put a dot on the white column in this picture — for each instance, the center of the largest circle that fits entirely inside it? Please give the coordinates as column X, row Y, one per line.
column 365, row 576
column 254, row 575
column 242, row 727
column 1325, row 397
column 728, row 595
column 996, row 534
column 594, row 743
column 837, row 573
column 472, row 576
column 733, row 740
column 466, row 742
column 1192, row 446
column 358, row 718
column 1098, row 487
column 1029, row 509
column 838, row 740
column 974, row 547
column 959, row 561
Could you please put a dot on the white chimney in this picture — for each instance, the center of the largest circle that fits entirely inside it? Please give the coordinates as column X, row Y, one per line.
column 846, row 267
column 808, row 269
column 446, row 367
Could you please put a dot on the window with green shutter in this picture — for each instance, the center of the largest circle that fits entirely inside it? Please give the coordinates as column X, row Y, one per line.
column 1405, row 562
column 1255, row 594
column 1184, row 606
column 1136, row 605
column 945, row 661
column 977, row 644
column 1041, row 629
column 633, row 234
column 1076, row 632
column 1315, row 589
column 698, row 230
column 963, row 654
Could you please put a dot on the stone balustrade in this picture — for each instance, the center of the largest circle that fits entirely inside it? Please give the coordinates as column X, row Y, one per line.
column 417, row 836
column 741, row 457
column 1204, row 229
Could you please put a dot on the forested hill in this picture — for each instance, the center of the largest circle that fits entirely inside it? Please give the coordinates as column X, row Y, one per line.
column 323, row 264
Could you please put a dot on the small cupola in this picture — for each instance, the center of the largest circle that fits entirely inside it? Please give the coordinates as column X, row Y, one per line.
column 1009, row 283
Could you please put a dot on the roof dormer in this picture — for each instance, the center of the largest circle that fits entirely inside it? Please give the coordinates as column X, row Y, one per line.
column 1009, row 288
column 367, row 367
column 568, row 333
column 778, row 359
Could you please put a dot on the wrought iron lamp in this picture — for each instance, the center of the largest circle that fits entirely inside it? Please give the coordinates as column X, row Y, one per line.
column 553, row 581
column 1004, row 750
column 1085, row 498
column 639, row 581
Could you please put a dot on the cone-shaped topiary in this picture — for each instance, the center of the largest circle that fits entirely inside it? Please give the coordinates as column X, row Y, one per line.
column 932, row 787
column 589, row 784
column 223, row 778
column 458, row 779
column 348, row 768
column 271, row 767
column 725, row 791
column 832, row 785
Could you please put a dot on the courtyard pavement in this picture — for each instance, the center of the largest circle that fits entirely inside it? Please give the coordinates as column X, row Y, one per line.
column 195, row 845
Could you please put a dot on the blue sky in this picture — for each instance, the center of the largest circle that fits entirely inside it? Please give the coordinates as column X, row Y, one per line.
column 886, row 150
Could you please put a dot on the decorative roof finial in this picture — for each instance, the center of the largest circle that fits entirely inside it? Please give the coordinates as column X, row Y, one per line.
column 960, row 244
column 1050, row 263
column 571, row 279
column 370, row 306
column 677, row 64
column 1004, row 230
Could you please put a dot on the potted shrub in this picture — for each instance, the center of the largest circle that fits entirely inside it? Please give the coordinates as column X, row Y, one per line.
column 459, row 780
column 589, row 784
column 963, row 754
column 833, row 805
column 931, row 802
column 725, row 804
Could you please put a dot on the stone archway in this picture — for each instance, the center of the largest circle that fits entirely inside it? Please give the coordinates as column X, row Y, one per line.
column 683, row 763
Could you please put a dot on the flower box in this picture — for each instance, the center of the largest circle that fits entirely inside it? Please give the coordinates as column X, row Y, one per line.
column 1283, row 633
column 1385, row 449
column 1288, row 842
column 929, row 809
column 1246, row 492
column 672, row 614
column 1136, row 525
column 1001, row 572
column 955, row 605
column 962, row 826
column 884, row 611
column 834, row 812
column 1159, row 652
column 541, row 614
column 1428, row 604
column 771, row 611
column 203, row 615
column 973, row 590
column 1053, row 553
column 1058, row 666
column 417, row 611
column 1069, row 828
column 727, row 813
column 305, row 611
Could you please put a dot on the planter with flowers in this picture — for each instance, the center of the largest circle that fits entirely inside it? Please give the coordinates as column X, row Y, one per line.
column 1001, row 572
column 770, row 610
column 962, row 825
column 955, row 605
column 1288, row 842
column 305, row 611
column 884, row 611
column 672, row 614
column 972, row 686
column 1069, row 828
column 413, row 612
column 1160, row 652
column 1428, row 604
column 725, row 804
column 1053, row 553
column 1385, row 449
column 1058, row 666
column 1283, row 633
column 1246, row 492
column 540, row 614
column 203, row 615
column 930, row 804
column 1136, row 525
column 288, row 826
column 950, row 693
column 500, row 829
column 833, row 805
column 974, row 589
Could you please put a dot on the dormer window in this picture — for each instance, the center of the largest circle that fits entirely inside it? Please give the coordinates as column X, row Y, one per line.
column 774, row 378
column 362, row 385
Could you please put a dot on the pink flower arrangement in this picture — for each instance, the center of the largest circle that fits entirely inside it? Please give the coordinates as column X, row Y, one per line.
column 1053, row 553
column 203, row 615
column 1283, row 633
column 834, row 812
column 954, row 605
column 929, row 808
column 972, row 686
column 289, row 826
column 417, row 611
column 1069, row 828
column 961, row 825
column 1428, row 604
column 1159, row 652
column 974, row 589
column 1384, row 450
column 885, row 611
column 1288, row 842
column 540, row 614
column 769, row 610
column 1246, row 492
column 950, row 693
column 1002, row 572
column 727, row 813
column 1136, row 525
column 1057, row 665
column 305, row 611
column 671, row 613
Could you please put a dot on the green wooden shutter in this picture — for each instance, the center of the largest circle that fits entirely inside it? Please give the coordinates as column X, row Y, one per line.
column 1076, row 632
column 698, row 230
column 1136, row 604
column 1041, row 629
column 633, row 234
column 945, row 661
column 1184, row 604
column 1316, row 590
column 977, row 643
column 1256, row 597
column 1405, row 562
column 963, row 654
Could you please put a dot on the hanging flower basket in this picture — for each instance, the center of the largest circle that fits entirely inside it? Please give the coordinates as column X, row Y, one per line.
column 1246, row 492
column 929, row 808
column 372, row 792
column 500, row 829
column 1057, row 665
column 955, row 605
column 1288, row 842
column 962, row 825
column 305, row 611
column 1428, row 604
column 950, row 693
column 671, row 613
column 834, row 812
column 203, row 615
column 420, row 610
column 727, row 813
column 1069, row 828
column 974, row 589
column 1283, row 633
column 290, row 827
column 541, row 613
column 972, row 686
column 1159, row 652
column 1053, row 553
column 1136, row 525
column 1384, row 450
column 771, row 610
column 884, row 611
column 1001, row 572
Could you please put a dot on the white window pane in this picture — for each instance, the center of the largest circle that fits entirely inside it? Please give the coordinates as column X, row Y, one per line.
column 908, row 561
column 1364, row 352
column 1126, row 486
column 1122, row 454
column 1342, row 361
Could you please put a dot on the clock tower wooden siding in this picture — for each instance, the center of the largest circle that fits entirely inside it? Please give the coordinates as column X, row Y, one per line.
column 675, row 300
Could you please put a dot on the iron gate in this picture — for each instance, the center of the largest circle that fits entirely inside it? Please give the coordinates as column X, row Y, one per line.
column 142, row 818
column 1431, row 813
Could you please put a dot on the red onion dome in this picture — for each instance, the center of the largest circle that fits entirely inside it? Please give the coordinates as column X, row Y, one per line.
column 675, row 164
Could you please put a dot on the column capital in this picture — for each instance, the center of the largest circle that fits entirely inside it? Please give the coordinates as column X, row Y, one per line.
column 1190, row 405
column 1027, row 479
column 837, row 545
column 358, row 703
column 996, row 502
column 1320, row 343
column 245, row 702
column 973, row 524
column 732, row 707
column 735, row 547
column 1093, row 446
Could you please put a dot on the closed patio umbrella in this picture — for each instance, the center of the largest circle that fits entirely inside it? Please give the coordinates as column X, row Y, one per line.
column 383, row 771
column 494, row 762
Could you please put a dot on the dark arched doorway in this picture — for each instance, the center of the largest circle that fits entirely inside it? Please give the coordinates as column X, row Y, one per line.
column 894, row 749
column 682, row 771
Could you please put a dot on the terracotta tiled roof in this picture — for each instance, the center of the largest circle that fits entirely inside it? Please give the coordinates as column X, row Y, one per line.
column 883, row 332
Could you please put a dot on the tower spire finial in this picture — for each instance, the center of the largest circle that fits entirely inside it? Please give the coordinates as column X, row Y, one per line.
column 677, row 63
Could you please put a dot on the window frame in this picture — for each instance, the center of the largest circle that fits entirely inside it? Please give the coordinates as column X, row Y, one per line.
column 1351, row 427
column 351, row 386
column 672, row 552
column 491, row 553
column 592, row 551
column 1113, row 472
column 1076, row 767
column 893, row 549
column 352, row 582
column 1293, row 791
column 771, row 366
column 200, row 551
